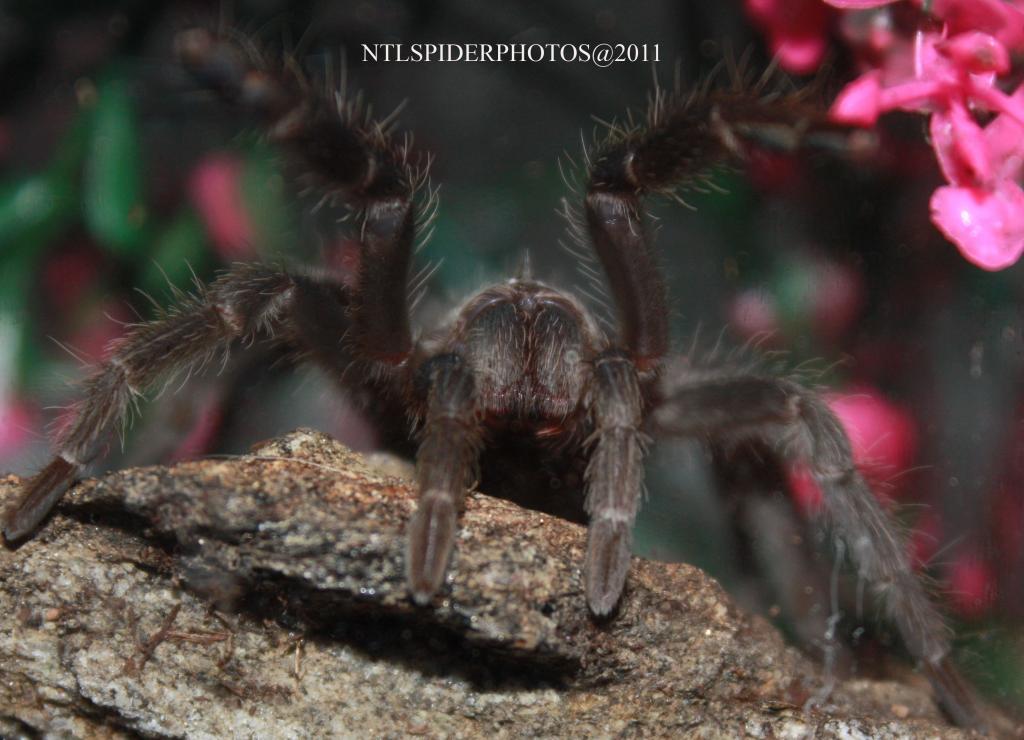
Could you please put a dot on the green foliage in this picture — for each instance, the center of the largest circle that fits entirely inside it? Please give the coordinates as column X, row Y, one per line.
column 112, row 181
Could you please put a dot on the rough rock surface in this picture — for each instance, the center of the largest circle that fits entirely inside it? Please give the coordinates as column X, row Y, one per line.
column 264, row 596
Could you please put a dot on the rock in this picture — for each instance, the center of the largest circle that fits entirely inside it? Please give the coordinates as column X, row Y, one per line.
column 265, row 596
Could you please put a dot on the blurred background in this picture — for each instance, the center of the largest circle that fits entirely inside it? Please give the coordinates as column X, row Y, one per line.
column 119, row 178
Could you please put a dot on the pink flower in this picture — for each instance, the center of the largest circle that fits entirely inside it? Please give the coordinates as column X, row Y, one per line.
column 796, row 31
column 971, row 586
column 17, row 419
column 957, row 73
column 216, row 192
column 859, row 4
column 987, row 225
column 1000, row 18
column 882, row 433
column 952, row 76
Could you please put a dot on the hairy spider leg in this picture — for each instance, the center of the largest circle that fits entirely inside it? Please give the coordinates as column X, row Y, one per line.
column 802, row 428
column 614, row 478
column 248, row 300
column 682, row 141
column 349, row 156
column 446, row 462
column 685, row 138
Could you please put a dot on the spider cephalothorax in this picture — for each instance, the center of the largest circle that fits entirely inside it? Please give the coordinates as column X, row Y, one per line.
column 523, row 381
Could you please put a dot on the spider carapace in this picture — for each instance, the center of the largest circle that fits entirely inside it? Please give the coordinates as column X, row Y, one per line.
column 520, row 360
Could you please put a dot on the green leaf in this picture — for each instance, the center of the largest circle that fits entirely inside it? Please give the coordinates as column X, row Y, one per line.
column 17, row 358
column 113, row 199
column 36, row 209
column 33, row 212
column 994, row 655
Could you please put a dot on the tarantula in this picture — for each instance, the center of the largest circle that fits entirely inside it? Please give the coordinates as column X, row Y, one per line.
column 523, row 377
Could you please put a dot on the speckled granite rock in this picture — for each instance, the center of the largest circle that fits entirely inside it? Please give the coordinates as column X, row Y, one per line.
column 264, row 597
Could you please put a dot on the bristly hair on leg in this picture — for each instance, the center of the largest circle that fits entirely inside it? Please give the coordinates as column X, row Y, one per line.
column 348, row 155
column 688, row 134
column 331, row 131
column 592, row 286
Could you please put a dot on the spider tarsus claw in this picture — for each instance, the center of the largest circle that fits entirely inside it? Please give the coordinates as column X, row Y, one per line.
column 955, row 695
column 41, row 494
column 609, row 545
column 431, row 538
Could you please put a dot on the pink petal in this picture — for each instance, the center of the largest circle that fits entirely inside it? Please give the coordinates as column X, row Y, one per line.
column 960, row 146
column 882, row 434
column 795, row 30
column 996, row 100
column 859, row 4
column 859, row 102
column 799, row 54
column 914, row 95
column 1002, row 19
column 215, row 187
column 1005, row 137
column 17, row 419
column 976, row 52
column 971, row 586
column 986, row 225
column 940, row 128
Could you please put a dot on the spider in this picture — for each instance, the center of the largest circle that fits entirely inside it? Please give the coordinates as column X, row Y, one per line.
column 523, row 380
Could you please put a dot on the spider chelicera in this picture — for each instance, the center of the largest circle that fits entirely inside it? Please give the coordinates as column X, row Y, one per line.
column 523, row 386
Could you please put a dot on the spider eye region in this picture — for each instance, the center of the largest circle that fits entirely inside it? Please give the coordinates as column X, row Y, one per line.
column 526, row 344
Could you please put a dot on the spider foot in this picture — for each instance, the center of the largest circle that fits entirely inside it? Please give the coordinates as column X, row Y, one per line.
column 431, row 540
column 609, row 544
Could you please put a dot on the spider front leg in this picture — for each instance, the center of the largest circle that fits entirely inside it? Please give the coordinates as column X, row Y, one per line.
column 348, row 156
column 242, row 302
column 614, row 479
column 803, row 428
column 445, row 465
column 683, row 140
